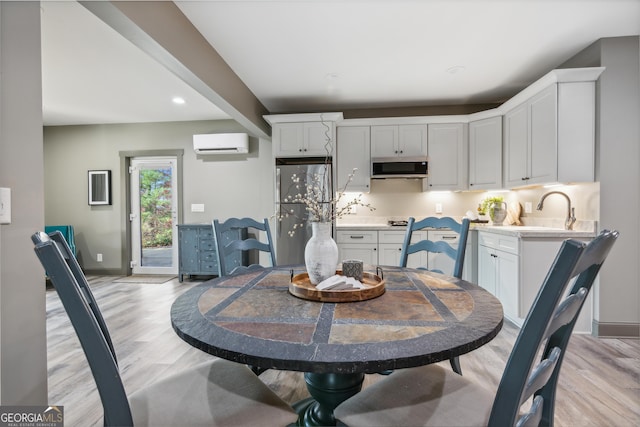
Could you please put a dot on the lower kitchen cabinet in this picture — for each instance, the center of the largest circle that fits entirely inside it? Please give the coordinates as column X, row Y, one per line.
column 384, row 246
column 513, row 269
column 358, row 244
column 498, row 272
column 197, row 253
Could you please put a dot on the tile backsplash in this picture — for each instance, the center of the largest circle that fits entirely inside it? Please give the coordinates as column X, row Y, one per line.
column 398, row 198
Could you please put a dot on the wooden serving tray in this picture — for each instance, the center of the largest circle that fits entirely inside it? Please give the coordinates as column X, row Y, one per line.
column 301, row 287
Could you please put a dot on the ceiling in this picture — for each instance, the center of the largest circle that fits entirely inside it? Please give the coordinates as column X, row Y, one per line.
column 331, row 55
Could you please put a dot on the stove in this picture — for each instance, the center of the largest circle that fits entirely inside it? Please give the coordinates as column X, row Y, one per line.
column 398, row 223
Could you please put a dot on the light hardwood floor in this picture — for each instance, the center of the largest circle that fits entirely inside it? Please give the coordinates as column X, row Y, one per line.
column 599, row 385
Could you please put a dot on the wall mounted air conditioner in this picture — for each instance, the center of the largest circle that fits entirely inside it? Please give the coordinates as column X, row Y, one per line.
column 221, row 143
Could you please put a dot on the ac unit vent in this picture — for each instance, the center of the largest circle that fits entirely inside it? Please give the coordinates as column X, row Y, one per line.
column 221, row 143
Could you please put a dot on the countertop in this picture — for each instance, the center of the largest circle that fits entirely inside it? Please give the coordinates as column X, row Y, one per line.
column 526, row 231
column 550, row 229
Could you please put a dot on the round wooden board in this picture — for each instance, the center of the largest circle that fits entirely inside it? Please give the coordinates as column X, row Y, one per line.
column 301, row 287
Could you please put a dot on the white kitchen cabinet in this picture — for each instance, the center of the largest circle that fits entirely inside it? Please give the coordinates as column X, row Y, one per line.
column 354, row 151
column 358, row 244
column 513, row 269
column 485, row 154
column 498, row 271
column 447, row 150
column 302, row 139
column 551, row 137
column 399, row 141
column 390, row 246
column 531, row 152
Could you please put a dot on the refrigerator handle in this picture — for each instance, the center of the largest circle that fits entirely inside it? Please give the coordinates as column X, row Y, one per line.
column 278, row 178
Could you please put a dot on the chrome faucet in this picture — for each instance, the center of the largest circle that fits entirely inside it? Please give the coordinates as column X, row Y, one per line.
column 571, row 212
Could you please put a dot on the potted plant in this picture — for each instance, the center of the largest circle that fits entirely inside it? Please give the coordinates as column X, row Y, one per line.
column 495, row 207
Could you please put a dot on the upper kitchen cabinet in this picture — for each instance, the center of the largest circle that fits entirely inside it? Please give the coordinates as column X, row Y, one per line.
column 549, row 133
column 485, row 154
column 354, row 151
column 530, row 140
column 303, row 135
column 447, row 149
column 399, row 141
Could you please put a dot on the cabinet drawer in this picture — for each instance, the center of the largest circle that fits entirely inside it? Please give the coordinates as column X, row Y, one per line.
column 357, row 236
column 391, row 236
column 497, row 241
column 209, row 267
column 206, row 233
column 207, row 245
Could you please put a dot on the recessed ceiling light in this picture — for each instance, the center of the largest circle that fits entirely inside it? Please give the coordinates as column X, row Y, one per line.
column 178, row 100
column 456, row 69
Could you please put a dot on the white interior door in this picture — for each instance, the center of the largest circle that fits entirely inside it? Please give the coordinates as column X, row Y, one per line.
column 154, row 215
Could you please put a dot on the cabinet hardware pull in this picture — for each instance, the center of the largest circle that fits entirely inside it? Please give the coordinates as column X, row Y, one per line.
column 449, row 237
column 357, row 237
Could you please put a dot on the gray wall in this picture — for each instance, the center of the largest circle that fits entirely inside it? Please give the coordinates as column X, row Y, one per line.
column 618, row 146
column 23, row 349
column 228, row 185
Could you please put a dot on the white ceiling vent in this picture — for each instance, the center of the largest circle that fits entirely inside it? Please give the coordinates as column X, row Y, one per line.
column 221, row 143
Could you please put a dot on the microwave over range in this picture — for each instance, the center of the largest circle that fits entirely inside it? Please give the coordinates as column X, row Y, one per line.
column 399, row 167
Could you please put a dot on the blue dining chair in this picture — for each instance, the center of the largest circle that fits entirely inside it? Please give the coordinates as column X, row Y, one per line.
column 433, row 396
column 227, row 243
column 438, row 247
column 217, row 393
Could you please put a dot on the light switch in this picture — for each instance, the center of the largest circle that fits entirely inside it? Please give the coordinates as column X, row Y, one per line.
column 5, row 206
column 197, row 207
column 439, row 208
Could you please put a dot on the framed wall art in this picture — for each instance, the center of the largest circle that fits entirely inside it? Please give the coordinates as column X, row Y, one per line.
column 100, row 187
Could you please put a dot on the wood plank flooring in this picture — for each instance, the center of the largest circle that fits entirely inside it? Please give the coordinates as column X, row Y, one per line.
column 599, row 385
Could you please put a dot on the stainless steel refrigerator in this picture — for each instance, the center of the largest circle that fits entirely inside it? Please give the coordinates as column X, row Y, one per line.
column 290, row 248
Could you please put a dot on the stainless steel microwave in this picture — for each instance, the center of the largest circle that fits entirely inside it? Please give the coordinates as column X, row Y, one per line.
column 399, row 167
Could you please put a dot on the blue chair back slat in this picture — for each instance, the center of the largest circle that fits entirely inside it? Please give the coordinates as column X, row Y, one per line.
column 546, row 331
column 91, row 334
column 76, row 270
column 462, row 229
column 224, row 248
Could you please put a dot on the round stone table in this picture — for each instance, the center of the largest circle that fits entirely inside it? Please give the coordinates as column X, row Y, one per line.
column 421, row 318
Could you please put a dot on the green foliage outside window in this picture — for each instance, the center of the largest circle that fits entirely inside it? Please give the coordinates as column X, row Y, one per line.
column 155, row 207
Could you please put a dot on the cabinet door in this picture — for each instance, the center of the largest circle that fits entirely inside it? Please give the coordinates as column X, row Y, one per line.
column 447, row 157
column 389, row 254
column 440, row 261
column 543, row 151
column 288, row 139
column 412, row 141
column 485, row 154
column 353, row 151
column 188, row 249
column 487, row 269
column 318, row 139
column 384, row 141
column 367, row 253
column 507, row 284
column 516, row 142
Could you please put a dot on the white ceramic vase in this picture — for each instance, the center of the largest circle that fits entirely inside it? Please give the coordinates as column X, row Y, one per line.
column 321, row 253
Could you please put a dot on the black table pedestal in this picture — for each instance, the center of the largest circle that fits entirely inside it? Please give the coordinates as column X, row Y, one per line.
column 327, row 392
